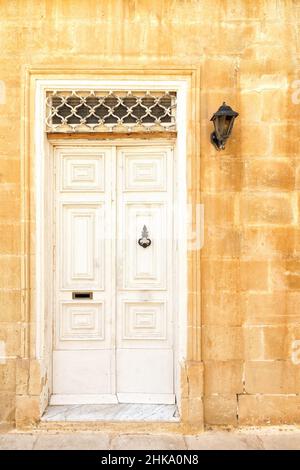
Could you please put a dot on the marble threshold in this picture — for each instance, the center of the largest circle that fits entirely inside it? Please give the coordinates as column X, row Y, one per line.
column 116, row 412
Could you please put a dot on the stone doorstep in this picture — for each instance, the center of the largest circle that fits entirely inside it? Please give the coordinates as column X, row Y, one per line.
column 112, row 413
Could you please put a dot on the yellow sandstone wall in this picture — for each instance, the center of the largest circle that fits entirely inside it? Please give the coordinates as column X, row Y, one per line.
column 249, row 56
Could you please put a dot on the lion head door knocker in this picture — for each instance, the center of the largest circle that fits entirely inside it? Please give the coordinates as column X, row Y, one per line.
column 144, row 241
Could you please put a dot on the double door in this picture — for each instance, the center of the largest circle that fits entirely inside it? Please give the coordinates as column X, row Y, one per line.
column 113, row 275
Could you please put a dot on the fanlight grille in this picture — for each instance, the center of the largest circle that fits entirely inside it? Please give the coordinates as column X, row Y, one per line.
column 118, row 111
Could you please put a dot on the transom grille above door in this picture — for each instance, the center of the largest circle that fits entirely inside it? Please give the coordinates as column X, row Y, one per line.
column 115, row 111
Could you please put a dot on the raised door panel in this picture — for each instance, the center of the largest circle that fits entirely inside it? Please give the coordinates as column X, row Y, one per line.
column 144, row 320
column 143, row 323
column 145, row 268
column 81, row 322
column 82, row 173
column 144, row 171
column 82, row 253
column 81, row 325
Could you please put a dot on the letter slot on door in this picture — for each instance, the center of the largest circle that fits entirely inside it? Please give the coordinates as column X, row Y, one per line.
column 82, row 295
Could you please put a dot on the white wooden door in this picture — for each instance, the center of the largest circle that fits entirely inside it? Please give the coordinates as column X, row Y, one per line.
column 144, row 276
column 113, row 333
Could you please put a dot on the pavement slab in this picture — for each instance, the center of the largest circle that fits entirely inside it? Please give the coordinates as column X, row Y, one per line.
column 148, row 442
column 249, row 439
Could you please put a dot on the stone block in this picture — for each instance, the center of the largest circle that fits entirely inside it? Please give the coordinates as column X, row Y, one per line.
column 220, row 410
column 219, row 74
column 271, row 308
column 35, row 379
column 254, row 275
column 192, row 413
column 218, row 209
column 7, row 407
column 275, row 105
column 223, row 377
column 221, row 308
column 255, row 140
column 8, row 376
column 221, row 174
column 264, row 82
column 10, row 334
column 251, row 106
column 192, row 379
column 10, row 205
column 222, row 343
column 27, row 410
column 263, row 209
column 285, row 140
column 11, row 272
column 267, row 243
column 221, row 241
column 9, row 172
column 285, row 275
column 219, row 275
column 10, row 240
column 269, row 175
column 22, row 376
column 10, row 306
column 268, row 409
column 272, row 377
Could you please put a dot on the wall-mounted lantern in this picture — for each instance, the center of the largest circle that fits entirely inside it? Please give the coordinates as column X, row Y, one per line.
column 223, row 121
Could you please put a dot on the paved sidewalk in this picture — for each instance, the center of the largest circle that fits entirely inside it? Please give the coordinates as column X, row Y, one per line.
column 247, row 439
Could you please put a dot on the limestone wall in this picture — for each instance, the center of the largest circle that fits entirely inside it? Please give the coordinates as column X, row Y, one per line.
column 249, row 54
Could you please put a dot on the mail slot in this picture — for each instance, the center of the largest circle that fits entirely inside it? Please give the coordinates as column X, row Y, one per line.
column 82, row 295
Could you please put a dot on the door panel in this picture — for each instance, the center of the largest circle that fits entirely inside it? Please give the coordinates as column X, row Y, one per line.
column 144, row 320
column 82, row 247
column 81, row 325
column 82, row 173
column 83, row 372
column 148, row 378
column 144, row 170
column 144, row 268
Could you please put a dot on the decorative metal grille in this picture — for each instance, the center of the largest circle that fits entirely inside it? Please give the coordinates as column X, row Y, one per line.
column 118, row 111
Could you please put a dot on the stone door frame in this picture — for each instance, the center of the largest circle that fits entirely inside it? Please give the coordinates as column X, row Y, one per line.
column 33, row 386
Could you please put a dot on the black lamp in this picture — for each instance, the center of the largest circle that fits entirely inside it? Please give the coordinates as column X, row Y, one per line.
column 223, row 121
